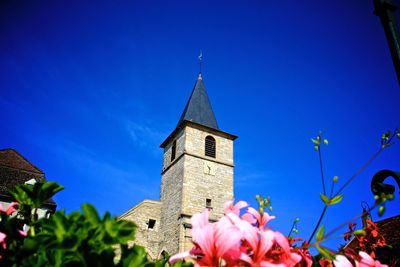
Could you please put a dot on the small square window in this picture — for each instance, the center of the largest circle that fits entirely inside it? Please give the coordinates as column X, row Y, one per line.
column 151, row 223
column 208, row 203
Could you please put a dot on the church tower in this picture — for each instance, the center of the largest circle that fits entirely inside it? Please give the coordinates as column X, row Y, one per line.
column 197, row 171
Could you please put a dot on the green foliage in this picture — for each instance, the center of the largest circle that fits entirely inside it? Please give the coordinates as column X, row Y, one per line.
column 387, row 138
column 380, row 201
column 327, row 201
column 317, row 141
column 324, row 199
column 336, row 199
column 263, row 204
column 326, row 253
column 320, row 233
column 79, row 239
column 82, row 238
column 32, row 197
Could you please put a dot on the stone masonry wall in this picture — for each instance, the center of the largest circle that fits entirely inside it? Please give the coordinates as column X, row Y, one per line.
column 195, row 142
column 200, row 185
column 171, row 198
column 180, row 147
column 185, row 186
column 140, row 215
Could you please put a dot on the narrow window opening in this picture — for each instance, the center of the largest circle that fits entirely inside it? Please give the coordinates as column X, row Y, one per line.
column 173, row 150
column 208, row 203
column 151, row 223
column 210, row 146
column 164, row 254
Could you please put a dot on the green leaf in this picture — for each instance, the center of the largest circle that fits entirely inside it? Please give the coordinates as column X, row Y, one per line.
column 316, row 142
column 336, row 199
column 140, row 256
column 324, row 198
column 90, row 213
column 360, row 232
column 320, row 233
column 159, row 263
column 182, row 264
column 381, row 210
column 126, row 231
column 50, row 189
column 326, row 253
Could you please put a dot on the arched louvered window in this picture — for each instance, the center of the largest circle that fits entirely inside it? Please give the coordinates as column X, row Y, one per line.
column 210, row 146
column 173, row 150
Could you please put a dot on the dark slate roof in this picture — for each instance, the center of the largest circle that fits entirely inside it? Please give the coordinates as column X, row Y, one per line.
column 198, row 109
column 11, row 158
column 16, row 170
column 389, row 228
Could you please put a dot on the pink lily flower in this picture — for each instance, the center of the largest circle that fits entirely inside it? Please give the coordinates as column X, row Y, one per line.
column 230, row 208
column 23, row 233
column 264, row 247
column 215, row 243
column 368, row 261
column 11, row 208
column 3, row 240
column 342, row 261
column 253, row 217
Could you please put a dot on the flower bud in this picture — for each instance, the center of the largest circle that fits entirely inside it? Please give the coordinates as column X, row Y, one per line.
column 381, row 210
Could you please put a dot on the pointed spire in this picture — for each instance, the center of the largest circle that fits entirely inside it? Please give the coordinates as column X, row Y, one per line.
column 198, row 108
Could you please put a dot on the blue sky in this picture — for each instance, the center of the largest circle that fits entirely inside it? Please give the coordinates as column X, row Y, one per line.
column 89, row 90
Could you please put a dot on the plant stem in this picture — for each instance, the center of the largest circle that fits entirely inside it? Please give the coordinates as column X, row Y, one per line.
column 318, row 223
column 347, row 222
column 291, row 229
column 332, row 186
column 360, row 170
column 322, row 169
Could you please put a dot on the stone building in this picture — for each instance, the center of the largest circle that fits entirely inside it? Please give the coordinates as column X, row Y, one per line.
column 15, row 170
column 197, row 173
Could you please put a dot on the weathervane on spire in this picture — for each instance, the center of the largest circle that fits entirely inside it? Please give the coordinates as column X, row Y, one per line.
column 200, row 61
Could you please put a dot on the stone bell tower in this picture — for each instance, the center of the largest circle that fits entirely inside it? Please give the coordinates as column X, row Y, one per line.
column 197, row 171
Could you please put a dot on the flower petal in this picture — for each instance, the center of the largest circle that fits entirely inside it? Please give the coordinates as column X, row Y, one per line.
column 342, row 261
column 12, row 208
column 179, row 256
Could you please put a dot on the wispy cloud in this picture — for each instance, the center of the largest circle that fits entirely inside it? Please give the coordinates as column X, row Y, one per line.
column 144, row 134
column 255, row 178
column 112, row 180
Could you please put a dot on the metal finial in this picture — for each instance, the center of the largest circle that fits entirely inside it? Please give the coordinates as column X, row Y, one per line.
column 200, row 61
